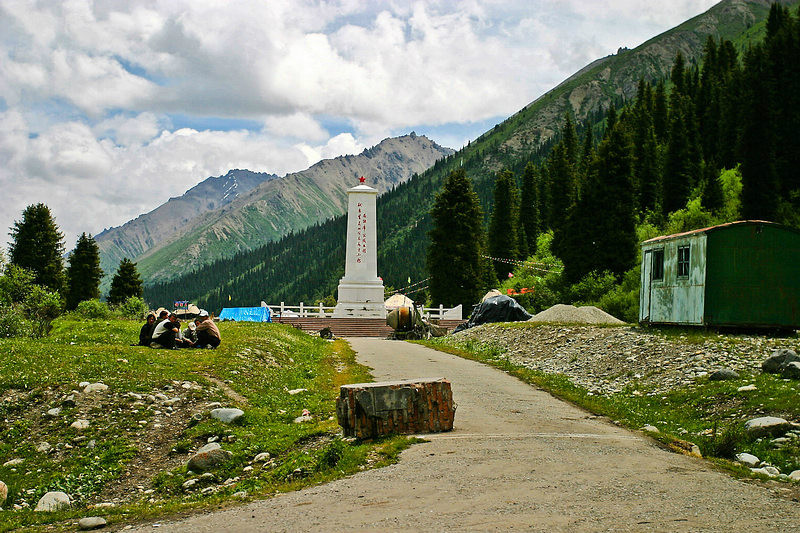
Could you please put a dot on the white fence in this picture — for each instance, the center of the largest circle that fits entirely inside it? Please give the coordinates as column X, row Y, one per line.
column 322, row 311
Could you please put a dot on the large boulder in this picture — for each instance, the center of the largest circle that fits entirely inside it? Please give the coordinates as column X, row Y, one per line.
column 778, row 360
column 723, row 374
column 767, row 426
column 91, row 522
column 791, row 370
column 228, row 415
column 53, row 501
column 208, row 457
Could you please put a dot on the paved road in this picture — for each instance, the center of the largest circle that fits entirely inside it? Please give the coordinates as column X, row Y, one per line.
column 518, row 459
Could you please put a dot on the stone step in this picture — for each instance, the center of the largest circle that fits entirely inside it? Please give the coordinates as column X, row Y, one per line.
column 351, row 327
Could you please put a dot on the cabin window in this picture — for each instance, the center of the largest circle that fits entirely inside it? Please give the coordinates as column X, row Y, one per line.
column 658, row 264
column 683, row 261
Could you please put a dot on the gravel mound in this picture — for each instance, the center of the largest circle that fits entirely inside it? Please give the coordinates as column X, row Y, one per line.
column 588, row 314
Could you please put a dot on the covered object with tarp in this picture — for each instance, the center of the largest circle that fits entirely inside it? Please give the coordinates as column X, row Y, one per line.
column 499, row 308
column 246, row 314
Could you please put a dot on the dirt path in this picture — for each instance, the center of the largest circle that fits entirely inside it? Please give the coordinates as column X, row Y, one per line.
column 518, row 459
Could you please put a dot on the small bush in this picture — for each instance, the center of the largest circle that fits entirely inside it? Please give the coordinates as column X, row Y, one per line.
column 726, row 443
column 13, row 323
column 134, row 308
column 93, row 309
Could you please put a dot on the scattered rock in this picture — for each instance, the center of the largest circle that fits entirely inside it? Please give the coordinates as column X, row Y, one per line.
column 91, row 522
column 795, row 475
column 80, row 424
column 767, row 426
column 779, row 358
column 68, row 401
column 770, row 471
column 227, row 415
column 297, row 391
column 3, row 493
column 14, row 462
column 239, row 495
column 748, row 459
column 53, row 501
column 651, row 429
column 723, row 374
column 791, row 370
column 214, row 405
column 171, row 402
column 83, row 384
column 303, row 418
column 54, row 412
column 95, row 387
column 208, row 457
column 44, row 447
column 189, row 484
column 196, row 419
column 103, row 505
column 747, row 388
column 262, row 457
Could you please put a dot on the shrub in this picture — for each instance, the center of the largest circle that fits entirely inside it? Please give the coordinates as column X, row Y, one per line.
column 134, row 308
column 93, row 309
column 12, row 322
column 622, row 301
column 41, row 307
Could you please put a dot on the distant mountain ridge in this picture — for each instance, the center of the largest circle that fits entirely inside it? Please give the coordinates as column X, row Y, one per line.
column 185, row 233
column 145, row 231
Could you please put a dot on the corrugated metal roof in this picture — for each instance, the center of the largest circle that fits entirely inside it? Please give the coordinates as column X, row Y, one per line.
column 711, row 228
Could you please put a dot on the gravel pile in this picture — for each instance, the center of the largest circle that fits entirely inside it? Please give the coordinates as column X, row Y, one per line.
column 607, row 360
column 569, row 314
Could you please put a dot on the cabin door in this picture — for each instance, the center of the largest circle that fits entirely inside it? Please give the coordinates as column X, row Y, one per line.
column 647, row 282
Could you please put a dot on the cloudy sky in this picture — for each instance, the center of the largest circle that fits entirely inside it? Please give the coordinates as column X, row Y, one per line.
column 109, row 108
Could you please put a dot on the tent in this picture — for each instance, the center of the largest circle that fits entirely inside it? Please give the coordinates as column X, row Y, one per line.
column 246, row 314
column 499, row 308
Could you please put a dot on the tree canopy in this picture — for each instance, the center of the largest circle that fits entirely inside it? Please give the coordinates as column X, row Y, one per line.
column 37, row 244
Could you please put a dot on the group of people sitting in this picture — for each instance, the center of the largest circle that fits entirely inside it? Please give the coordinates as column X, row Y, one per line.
column 165, row 332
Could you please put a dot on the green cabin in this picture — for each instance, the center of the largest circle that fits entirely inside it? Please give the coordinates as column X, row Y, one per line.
column 744, row 273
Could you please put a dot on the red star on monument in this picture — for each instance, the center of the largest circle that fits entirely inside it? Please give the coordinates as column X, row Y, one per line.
column 362, row 179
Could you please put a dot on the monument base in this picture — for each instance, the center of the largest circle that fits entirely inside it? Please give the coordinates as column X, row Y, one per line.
column 360, row 299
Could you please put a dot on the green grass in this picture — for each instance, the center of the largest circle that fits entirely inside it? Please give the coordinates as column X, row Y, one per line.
column 257, row 363
column 710, row 414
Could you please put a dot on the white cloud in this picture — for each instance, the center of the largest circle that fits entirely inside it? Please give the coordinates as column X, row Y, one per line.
column 298, row 125
column 89, row 90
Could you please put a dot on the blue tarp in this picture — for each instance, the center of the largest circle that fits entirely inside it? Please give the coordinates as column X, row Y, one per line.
column 246, row 314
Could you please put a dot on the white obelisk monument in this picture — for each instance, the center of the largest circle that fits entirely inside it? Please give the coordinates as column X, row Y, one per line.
column 361, row 290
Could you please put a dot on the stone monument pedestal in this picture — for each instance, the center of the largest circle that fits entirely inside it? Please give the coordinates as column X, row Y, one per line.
column 360, row 299
column 360, row 292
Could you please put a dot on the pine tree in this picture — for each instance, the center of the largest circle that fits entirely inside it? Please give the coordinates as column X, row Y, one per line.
column 454, row 261
column 660, row 113
column 126, row 283
column 503, row 234
column 529, row 208
column 610, row 238
column 37, row 244
column 759, row 179
column 646, row 167
column 83, row 272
